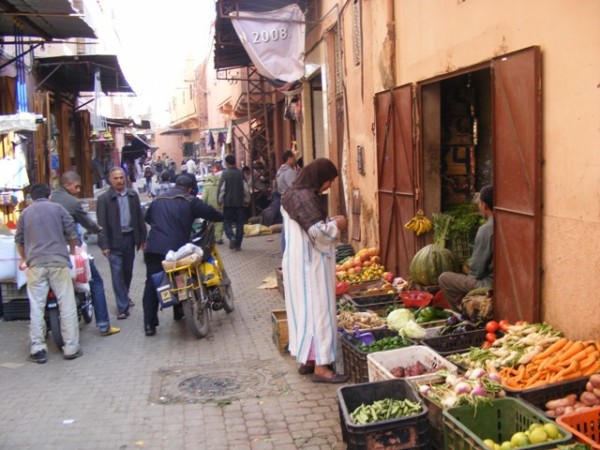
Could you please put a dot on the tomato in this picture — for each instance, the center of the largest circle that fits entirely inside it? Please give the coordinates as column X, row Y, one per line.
column 503, row 324
column 520, row 322
column 490, row 337
column 492, row 326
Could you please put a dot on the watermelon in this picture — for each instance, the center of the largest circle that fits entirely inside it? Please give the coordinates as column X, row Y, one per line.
column 434, row 259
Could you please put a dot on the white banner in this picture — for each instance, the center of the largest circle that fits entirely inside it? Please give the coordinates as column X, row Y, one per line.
column 275, row 42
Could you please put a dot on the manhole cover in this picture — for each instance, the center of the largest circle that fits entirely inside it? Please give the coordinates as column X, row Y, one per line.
column 202, row 384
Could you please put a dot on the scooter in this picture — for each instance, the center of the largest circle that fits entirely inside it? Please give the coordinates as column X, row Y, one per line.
column 85, row 311
column 205, row 287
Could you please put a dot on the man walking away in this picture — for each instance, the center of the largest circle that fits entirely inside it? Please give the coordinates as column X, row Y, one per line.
column 286, row 175
column 43, row 232
column 170, row 217
column 66, row 196
column 123, row 232
column 231, row 196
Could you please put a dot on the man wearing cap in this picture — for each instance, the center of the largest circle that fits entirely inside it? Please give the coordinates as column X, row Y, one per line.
column 480, row 271
column 170, row 217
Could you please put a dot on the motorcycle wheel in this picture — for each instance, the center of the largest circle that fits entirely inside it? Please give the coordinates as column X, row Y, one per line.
column 86, row 307
column 228, row 299
column 54, row 318
column 196, row 313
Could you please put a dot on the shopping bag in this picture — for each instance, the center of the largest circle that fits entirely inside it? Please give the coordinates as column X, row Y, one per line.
column 162, row 285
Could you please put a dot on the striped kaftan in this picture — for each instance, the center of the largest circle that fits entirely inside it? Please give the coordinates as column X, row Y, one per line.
column 309, row 284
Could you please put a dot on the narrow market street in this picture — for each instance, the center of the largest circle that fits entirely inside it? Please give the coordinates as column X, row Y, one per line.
column 231, row 390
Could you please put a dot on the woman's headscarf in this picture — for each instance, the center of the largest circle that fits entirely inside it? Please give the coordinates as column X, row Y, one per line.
column 301, row 201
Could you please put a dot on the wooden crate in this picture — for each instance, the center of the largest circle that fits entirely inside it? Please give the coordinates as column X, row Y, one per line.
column 279, row 325
column 279, row 276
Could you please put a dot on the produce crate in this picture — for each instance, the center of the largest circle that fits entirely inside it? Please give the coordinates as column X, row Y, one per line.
column 10, row 291
column 540, row 395
column 279, row 277
column 585, row 426
column 512, row 392
column 434, row 416
column 380, row 363
column 376, row 301
column 16, row 309
column 355, row 361
column 465, row 428
column 411, row 432
column 455, row 343
column 279, row 325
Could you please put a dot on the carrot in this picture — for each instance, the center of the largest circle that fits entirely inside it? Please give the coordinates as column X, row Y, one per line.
column 592, row 369
column 573, row 350
column 591, row 359
column 558, row 345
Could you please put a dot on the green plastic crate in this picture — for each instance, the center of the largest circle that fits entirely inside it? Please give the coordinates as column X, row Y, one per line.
column 466, row 428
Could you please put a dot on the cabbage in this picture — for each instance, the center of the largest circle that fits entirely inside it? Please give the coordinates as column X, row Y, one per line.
column 413, row 330
column 398, row 319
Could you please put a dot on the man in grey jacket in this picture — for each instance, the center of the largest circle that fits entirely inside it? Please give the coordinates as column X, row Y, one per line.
column 65, row 195
column 481, row 270
column 43, row 232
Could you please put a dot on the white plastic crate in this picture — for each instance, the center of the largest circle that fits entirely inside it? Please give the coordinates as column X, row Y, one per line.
column 380, row 363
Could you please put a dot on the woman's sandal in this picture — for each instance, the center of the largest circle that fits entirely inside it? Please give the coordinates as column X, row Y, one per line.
column 336, row 378
column 305, row 369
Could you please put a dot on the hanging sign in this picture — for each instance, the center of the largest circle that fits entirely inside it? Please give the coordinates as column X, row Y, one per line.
column 274, row 41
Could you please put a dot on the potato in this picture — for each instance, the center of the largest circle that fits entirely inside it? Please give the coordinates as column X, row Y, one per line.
column 559, row 411
column 551, row 413
column 596, row 392
column 589, row 399
column 569, row 400
column 595, row 380
column 589, row 386
column 569, row 410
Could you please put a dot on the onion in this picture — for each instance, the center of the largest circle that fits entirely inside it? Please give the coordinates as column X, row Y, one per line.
column 494, row 377
column 501, row 393
column 424, row 389
column 477, row 373
column 451, row 379
column 479, row 391
column 462, row 388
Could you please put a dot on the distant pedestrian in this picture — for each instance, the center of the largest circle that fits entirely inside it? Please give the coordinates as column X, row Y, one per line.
column 163, row 186
column 209, row 196
column 148, row 176
column 286, row 175
column 65, row 195
column 231, row 193
column 171, row 172
column 44, row 230
column 124, row 231
column 191, row 166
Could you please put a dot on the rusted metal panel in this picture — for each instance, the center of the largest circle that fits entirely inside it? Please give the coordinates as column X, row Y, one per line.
column 517, row 184
column 395, row 168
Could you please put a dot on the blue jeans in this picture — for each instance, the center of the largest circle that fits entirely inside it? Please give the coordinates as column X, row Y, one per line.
column 237, row 217
column 121, row 271
column 99, row 299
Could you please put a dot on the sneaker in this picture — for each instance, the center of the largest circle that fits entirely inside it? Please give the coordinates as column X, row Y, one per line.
column 122, row 316
column 220, row 241
column 75, row 355
column 232, row 244
column 40, row 357
column 131, row 302
column 109, row 331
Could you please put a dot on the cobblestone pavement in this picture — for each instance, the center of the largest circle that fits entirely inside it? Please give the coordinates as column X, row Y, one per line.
column 230, row 390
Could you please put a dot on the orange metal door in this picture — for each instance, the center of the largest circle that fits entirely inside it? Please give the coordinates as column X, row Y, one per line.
column 517, row 184
column 396, row 179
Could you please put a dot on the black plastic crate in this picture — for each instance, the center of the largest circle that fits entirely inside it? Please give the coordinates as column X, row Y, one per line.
column 412, row 432
column 364, row 302
column 355, row 361
column 455, row 343
column 10, row 290
column 16, row 309
column 539, row 396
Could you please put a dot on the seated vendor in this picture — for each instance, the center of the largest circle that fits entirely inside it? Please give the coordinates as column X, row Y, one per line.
column 480, row 271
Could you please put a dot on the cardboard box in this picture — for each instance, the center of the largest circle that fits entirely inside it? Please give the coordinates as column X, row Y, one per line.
column 279, row 325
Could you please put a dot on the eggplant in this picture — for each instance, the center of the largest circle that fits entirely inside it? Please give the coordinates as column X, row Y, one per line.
column 451, row 321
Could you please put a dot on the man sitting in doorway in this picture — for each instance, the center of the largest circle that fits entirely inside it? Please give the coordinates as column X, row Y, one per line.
column 480, row 271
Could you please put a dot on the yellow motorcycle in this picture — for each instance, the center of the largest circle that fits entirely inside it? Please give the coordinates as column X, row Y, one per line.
column 203, row 287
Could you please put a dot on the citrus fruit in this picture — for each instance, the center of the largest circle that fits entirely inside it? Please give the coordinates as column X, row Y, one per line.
column 538, row 436
column 551, row 430
column 490, row 444
column 519, row 439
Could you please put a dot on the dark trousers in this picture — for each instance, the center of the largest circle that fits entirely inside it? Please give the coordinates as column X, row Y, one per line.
column 121, row 271
column 150, row 299
column 237, row 217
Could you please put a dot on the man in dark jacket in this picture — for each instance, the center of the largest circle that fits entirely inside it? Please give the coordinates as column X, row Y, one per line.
column 170, row 217
column 65, row 195
column 123, row 232
column 231, row 196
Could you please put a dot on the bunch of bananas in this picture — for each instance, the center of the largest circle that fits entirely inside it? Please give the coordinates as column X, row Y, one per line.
column 420, row 224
